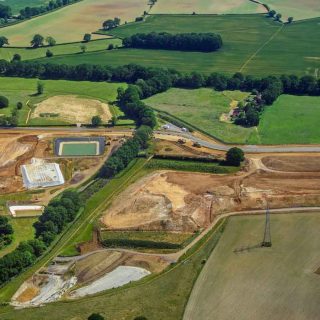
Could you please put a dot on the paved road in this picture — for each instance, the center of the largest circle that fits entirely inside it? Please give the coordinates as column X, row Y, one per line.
column 176, row 132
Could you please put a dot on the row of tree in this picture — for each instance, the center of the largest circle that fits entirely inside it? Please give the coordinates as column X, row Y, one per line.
column 6, row 232
column 204, row 42
column 29, row 12
column 126, row 153
column 56, row 215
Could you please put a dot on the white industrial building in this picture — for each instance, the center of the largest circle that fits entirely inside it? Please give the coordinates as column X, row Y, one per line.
column 40, row 174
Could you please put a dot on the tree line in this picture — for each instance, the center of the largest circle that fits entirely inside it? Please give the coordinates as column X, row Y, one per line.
column 6, row 232
column 56, row 216
column 203, row 42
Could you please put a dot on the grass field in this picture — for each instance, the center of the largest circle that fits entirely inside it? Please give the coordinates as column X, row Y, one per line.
column 79, row 149
column 291, row 119
column 295, row 8
column 276, row 283
column 23, row 230
column 72, row 48
column 250, row 43
column 19, row 89
column 17, row 5
column 203, row 108
column 204, row 6
column 72, row 22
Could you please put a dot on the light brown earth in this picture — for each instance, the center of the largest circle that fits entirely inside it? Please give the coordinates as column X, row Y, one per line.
column 180, row 201
column 73, row 109
column 99, row 263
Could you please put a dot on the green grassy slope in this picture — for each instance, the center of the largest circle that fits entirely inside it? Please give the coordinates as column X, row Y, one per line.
column 19, row 89
column 203, row 109
column 275, row 283
column 291, row 119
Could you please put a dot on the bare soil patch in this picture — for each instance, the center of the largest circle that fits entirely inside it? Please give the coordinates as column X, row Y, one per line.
column 72, row 109
column 293, row 163
column 180, row 201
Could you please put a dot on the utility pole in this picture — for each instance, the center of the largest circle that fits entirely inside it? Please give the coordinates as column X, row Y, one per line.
column 267, row 232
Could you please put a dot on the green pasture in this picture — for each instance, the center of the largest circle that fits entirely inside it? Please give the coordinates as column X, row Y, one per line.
column 71, row 48
column 291, row 119
column 263, row 283
column 253, row 44
column 17, row 5
column 203, row 109
column 79, row 149
column 23, row 230
column 20, row 89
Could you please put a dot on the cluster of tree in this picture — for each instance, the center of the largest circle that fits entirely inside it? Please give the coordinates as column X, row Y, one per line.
column 126, row 153
column 3, row 41
column 56, row 216
column 38, row 41
column 22, row 257
column 4, row 102
column 277, row 16
column 111, row 23
column 29, row 12
column 6, row 232
column 234, row 157
column 130, row 103
column 5, row 11
column 205, row 42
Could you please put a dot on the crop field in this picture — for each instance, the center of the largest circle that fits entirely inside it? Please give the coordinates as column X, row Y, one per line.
column 295, row 8
column 203, row 108
column 262, row 283
column 72, row 22
column 250, row 43
column 205, row 6
column 291, row 119
column 19, row 89
column 23, row 231
column 71, row 48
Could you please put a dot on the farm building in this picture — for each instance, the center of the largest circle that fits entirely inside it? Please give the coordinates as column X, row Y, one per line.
column 40, row 174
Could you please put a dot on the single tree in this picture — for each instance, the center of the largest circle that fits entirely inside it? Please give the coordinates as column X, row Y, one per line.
column 4, row 102
column 116, row 21
column 87, row 37
column 51, row 41
column 16, row 57
column 3, row 41
column 49, row 53
column 271, row 13
column 83, row 48
column 290, row 19
column 96, row 121
column 40, row 88
column 278, row 17
column 19, row 105
column 37, row 41
column 234, row 157
column 110, row 46
column 96, row 316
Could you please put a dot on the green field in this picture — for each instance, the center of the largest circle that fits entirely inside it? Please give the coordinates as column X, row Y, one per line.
column 79, row 149
column 291, row 119
column 17, row 5
column 19, row 89
column 203, row 108
column 72, row 48
column 23, row 230
column 251, row 42
column 265, row 283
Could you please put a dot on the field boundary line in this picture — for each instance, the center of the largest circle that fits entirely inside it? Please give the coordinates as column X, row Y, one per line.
column 29, row 113
column 261, row 48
